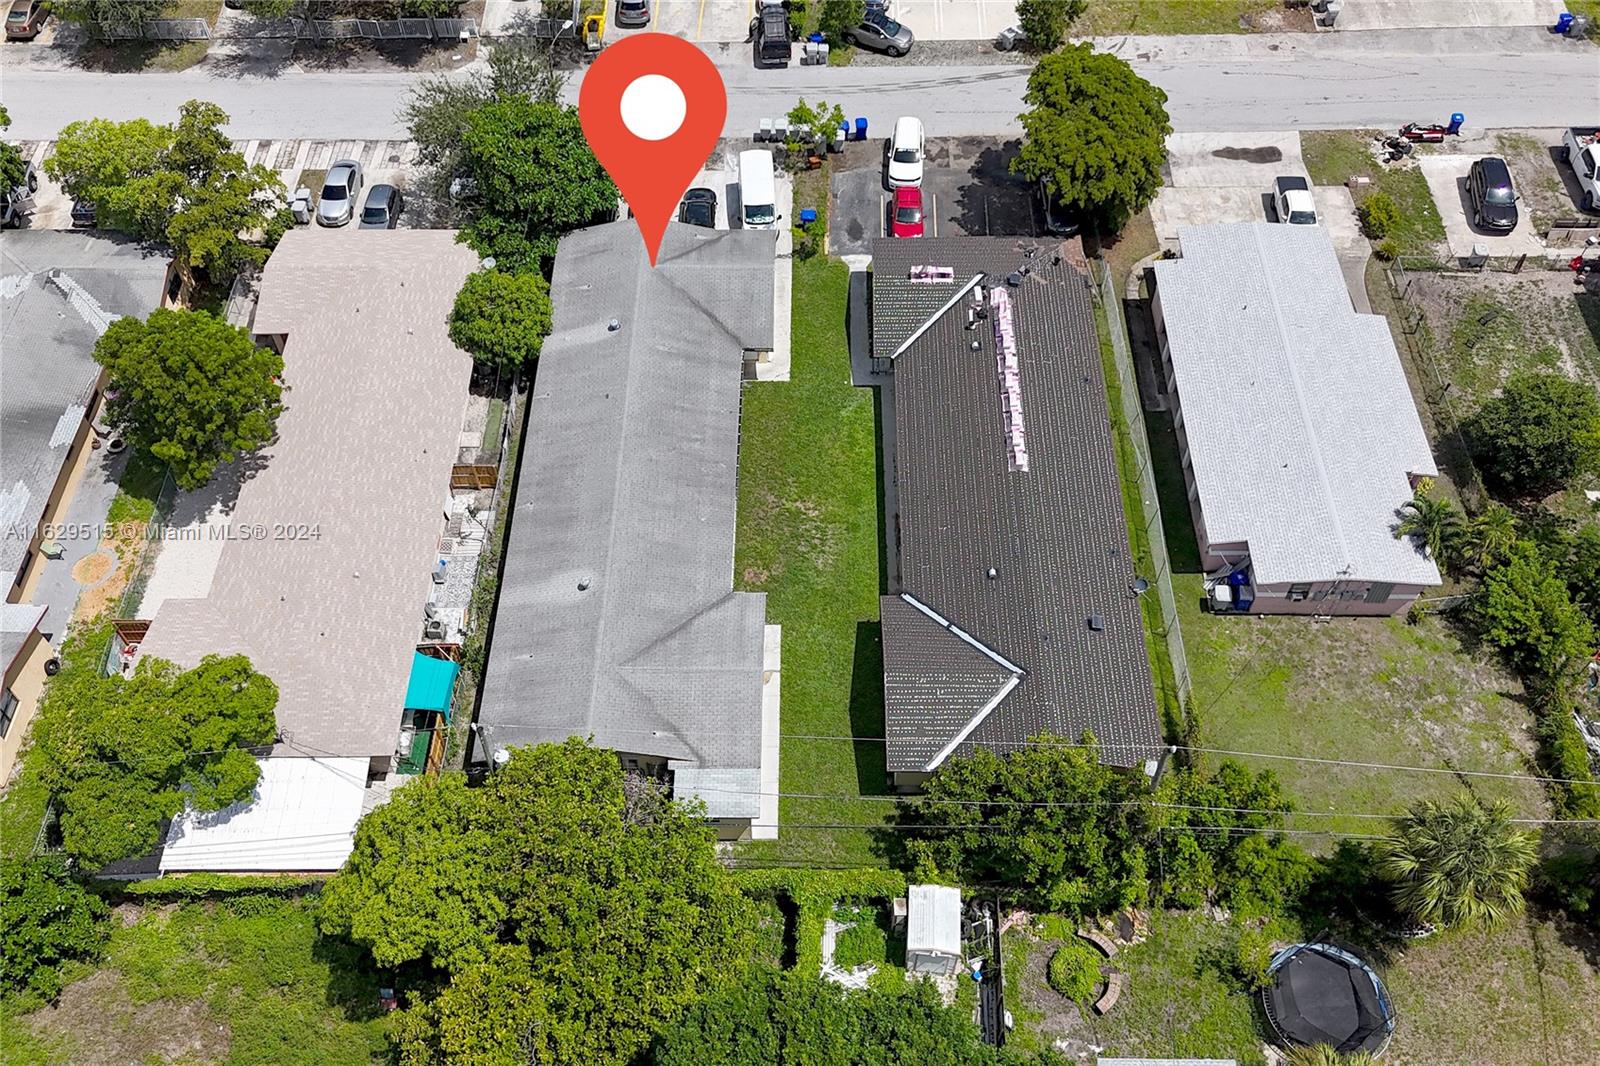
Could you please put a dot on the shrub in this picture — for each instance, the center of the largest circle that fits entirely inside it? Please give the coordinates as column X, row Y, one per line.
column 863, row 942
column 1252, row 955
column 1075, row 972
column 1388, row 249
column 501, row 320
column 1380, row 215
column 813, row 894
column 1045, row 21
column 837, row 16
column 1540, row 433
column 46, row 918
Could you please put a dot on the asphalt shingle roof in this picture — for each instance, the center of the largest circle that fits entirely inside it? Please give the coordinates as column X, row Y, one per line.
column 58, row 293
column 1054, row 534
column 617, row 616
column 1301, row 427
column 375, row 400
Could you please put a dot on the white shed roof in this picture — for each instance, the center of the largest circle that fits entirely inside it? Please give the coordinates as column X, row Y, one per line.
column 1301, row 426
column 302, row 818
column 933, row 919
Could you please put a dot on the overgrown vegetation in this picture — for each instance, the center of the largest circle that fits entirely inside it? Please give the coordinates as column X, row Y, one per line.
column 1410, row 223
column 1075, row 972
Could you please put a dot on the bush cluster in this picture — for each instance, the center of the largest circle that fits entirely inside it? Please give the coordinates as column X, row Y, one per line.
column 1380, row 215
column 1075, row 972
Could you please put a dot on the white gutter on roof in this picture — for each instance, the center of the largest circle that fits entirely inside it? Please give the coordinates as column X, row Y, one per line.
column 936, row 316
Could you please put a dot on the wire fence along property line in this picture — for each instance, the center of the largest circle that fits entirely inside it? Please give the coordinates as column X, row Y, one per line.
column 1155, row 532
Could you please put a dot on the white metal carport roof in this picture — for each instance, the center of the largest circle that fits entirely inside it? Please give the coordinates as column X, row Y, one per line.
column 933, row 919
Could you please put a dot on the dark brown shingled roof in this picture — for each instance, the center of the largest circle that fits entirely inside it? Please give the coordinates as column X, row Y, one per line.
column 1055, row 534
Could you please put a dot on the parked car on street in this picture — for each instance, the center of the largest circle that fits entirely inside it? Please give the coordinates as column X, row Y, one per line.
column 1059, row 221
column 770, row 32
column 877, row 32
column 905, row 152
column 340, row 190
column 699, row 208
column 25, row 19
column 382, row 209
column 633, row 13
column 906, row 220
column 1292, row 202
column 1580, row 149
column 1494, row 202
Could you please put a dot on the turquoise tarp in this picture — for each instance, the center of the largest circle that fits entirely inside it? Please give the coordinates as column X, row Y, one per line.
column 431, row 683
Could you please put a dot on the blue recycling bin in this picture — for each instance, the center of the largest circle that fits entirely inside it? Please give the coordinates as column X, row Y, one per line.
column 815, row 38
column 1563, row 23
column 808, row 215
column 1455, row 122
column 861, row 129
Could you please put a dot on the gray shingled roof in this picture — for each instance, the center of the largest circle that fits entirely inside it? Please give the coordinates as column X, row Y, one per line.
column 1055, row 534
column 58, row 292
column 1301, row 426
column 375, row 403
column 617, row 616
column 17, row 623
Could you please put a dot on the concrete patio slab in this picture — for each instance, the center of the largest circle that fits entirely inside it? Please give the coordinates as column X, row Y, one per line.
column 1210, row 160
column 1173, row 208
column 1447, row 180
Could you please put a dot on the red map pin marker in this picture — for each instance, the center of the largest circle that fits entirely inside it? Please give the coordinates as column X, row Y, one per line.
column 652, row 107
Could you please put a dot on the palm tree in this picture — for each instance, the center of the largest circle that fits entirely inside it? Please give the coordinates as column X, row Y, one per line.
column 1457, row 863
column 1323, row 1055
column 1433, row 522
column 1491, row 535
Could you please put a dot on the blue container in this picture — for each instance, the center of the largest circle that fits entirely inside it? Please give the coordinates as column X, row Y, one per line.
column 1237, row 578
column 861, row 129
column 815, row 38
column 808, row 214
column 1455, row 122
column 1563, row 23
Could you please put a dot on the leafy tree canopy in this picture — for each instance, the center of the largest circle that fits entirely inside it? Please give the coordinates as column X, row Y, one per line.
column 1458, row 863
column 181, row 183
column 192, row 389
column 837, row 16
column 502, row 319
column 1524, row 607
column 13, row 169
column 535, row 180
column 46, row 918
column 1538, row 434
column 133, row 13
column 1045, row 22
column 121, row 754
column 566, row 918
column 1064, row 828
column 1096, row 132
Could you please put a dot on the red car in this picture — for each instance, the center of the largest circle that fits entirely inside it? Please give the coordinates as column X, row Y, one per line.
column 907, row 218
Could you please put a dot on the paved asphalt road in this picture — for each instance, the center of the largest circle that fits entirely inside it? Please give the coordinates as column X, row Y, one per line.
column 1240, row 83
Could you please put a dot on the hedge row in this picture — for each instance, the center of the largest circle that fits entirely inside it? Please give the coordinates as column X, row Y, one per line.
column 1565, row 756
column 206, row 886
column 813, row 895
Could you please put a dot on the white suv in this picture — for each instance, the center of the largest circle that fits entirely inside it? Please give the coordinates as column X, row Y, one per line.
column 905, row 153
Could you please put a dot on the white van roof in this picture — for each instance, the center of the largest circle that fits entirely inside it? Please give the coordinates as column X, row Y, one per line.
column 908, row 128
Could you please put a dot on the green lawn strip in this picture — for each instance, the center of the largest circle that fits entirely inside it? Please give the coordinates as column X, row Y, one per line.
column 1168, row 698
column 137, row 490
column 808, row 537
column 21, row 813
column 1177, row 1000
column 1332, row 157
column 1106, row 17
column 1016, row 945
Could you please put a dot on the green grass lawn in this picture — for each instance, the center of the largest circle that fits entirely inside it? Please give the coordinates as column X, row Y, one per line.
column 808, row 537
column 1332, row 157
column 1106, row 17
column 244, row 982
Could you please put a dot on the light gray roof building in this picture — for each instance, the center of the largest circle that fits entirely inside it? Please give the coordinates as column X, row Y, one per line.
column 1301, row 428
column 58, row 293
column 345, row 510
column 617, row 617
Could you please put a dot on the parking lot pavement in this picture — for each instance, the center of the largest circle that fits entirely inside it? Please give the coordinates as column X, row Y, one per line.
column 1447, row 180
column 706, row 21
column 955, row 20
column 1428, row 14
column 967, row 188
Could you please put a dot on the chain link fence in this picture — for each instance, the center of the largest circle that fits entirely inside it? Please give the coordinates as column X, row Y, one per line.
column 1154, row 531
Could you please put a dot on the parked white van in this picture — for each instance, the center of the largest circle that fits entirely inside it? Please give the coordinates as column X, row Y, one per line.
column 758, row 190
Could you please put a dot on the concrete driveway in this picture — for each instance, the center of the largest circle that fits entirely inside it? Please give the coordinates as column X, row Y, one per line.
column 1447, row 180
column 1222, row 177
column 1424, row 14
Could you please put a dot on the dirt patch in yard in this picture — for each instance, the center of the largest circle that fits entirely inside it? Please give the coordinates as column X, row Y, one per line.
column 105, row 1028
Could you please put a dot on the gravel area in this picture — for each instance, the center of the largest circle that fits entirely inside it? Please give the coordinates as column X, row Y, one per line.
column 945, row 53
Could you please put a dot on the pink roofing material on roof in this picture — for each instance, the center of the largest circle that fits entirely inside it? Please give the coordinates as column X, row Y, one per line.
column 349, row 499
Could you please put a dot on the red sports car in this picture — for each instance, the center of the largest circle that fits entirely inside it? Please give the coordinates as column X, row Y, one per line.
column 907, row 218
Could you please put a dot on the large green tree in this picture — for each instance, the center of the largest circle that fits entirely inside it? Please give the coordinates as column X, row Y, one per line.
column 46, row 918
column 1538, row 434
column 535, row 179
column 1458, row 863
column 122, row 754
column 192, row 389
column 1045, row 22
column 1096, row 132
column 1050, row 820
column 501, row 319
column 568, row 923
column 1525, row 608
column 181, row 183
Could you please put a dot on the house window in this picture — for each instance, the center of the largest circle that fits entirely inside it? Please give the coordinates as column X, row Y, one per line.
column 8, row 711
column 1300, row 591
column 1378, row 591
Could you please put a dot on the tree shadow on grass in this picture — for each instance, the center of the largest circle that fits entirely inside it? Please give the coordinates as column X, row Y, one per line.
column 866, row 710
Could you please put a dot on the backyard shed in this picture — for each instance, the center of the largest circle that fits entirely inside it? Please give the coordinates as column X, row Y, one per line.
column 933, row 929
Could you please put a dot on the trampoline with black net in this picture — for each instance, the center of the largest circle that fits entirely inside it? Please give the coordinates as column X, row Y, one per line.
column 1324, row 994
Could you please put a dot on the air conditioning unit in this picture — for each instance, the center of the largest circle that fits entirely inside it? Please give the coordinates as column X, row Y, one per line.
column 430, row 610
column 434, row 629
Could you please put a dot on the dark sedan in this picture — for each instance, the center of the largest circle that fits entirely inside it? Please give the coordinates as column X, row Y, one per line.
column 1494, row 202
column 699, row 208
column 383, row 207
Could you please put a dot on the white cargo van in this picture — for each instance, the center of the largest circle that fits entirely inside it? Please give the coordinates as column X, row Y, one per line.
column 758, row 190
